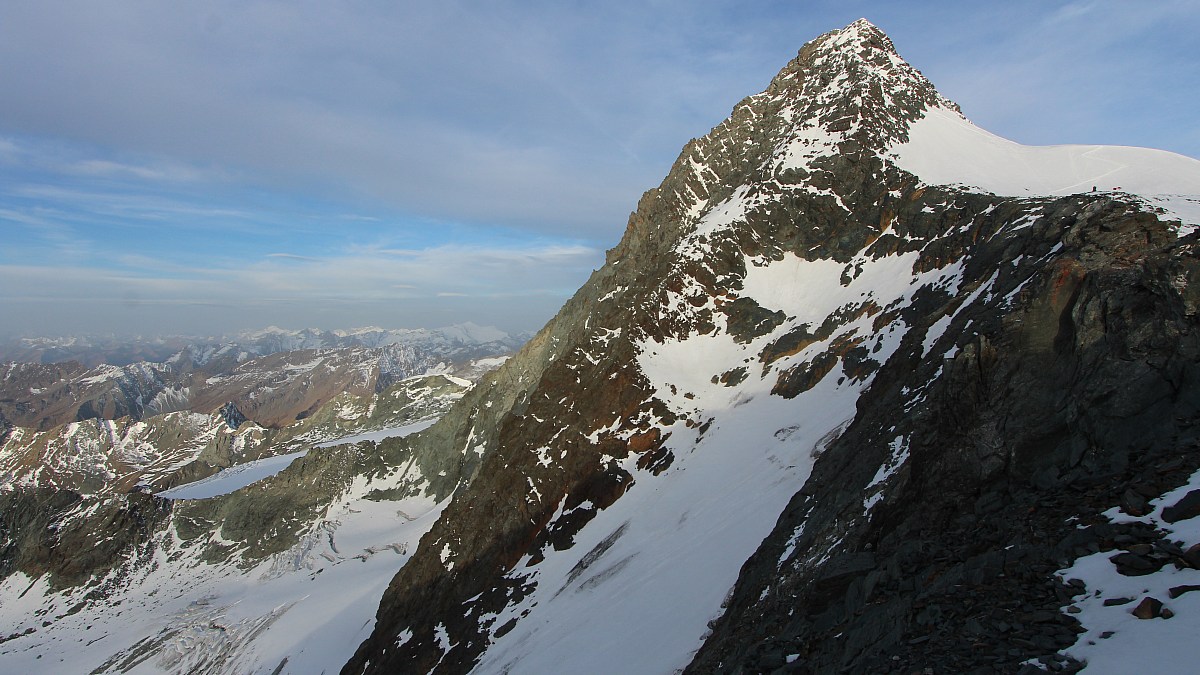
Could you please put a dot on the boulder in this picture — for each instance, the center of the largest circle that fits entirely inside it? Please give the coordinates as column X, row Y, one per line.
column 1188, row 507
column 1148, row 608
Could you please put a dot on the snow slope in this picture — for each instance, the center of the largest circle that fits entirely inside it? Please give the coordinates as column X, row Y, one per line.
column 380, row 434
column 944, row 148
column 625, row 578
column 233, row 478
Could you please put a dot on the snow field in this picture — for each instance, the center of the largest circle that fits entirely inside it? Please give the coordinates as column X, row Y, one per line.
column 239, row 476
column 944, row 148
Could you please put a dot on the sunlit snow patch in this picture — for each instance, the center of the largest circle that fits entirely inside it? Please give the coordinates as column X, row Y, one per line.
column 944, row 148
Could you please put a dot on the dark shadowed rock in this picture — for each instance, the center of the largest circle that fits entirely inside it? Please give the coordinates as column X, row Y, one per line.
column 1192, row 556
column 1185, row 508
column 1133, row 503
column 1132, row 564
column 1177, row 591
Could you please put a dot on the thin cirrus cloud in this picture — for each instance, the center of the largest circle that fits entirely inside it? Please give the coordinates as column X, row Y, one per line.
column 288, row 289
column 443, row 271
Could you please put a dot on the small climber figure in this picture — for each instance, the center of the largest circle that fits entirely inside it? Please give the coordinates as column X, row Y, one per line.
column 1093, row 188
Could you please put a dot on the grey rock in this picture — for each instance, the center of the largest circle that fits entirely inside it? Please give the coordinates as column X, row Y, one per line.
column 1132, row 564
column 1192, row 556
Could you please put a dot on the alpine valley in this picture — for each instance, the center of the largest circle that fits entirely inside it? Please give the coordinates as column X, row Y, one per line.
column 863, row 388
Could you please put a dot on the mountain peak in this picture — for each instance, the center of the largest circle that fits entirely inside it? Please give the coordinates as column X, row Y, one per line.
column 862, row 34
column 750, row 429
column 846, row 95
column 853, row 83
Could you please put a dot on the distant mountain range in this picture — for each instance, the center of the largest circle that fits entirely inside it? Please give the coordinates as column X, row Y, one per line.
column 272, row 376
column 91, row 351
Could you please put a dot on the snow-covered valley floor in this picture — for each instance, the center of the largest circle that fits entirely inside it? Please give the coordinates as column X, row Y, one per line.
column 301, row 611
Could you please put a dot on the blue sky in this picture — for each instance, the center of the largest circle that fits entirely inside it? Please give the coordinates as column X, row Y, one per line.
column 199, row 168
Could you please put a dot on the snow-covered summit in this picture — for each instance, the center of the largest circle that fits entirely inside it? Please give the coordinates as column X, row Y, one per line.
column 848, row 93
column 944, row 148
column 880, row 97
column 852, row 83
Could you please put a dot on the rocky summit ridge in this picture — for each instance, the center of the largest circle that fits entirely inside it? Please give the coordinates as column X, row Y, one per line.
column 818, row 412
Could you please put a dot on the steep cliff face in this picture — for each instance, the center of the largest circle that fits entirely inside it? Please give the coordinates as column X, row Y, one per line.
column 794, row 311
column 931, row 531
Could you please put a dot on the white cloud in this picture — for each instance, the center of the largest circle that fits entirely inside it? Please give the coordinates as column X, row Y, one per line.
column 1071, row 11
column 535, row 117
column 160, row 172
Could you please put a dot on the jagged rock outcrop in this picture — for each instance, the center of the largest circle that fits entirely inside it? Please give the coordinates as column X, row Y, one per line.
column 233, row 417
column 1046, row 412
column 5, row 428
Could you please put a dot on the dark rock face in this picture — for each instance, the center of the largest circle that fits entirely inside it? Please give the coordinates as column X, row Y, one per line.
column 36, row 537
column 1073, row 400
column 5, row 428
column 1188, row 507
column 233, row 417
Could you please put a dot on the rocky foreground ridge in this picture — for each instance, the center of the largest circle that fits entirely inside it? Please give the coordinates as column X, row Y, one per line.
column 835, row 403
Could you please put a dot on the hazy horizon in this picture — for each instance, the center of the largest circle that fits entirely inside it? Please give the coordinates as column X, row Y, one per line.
column 9, row 337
